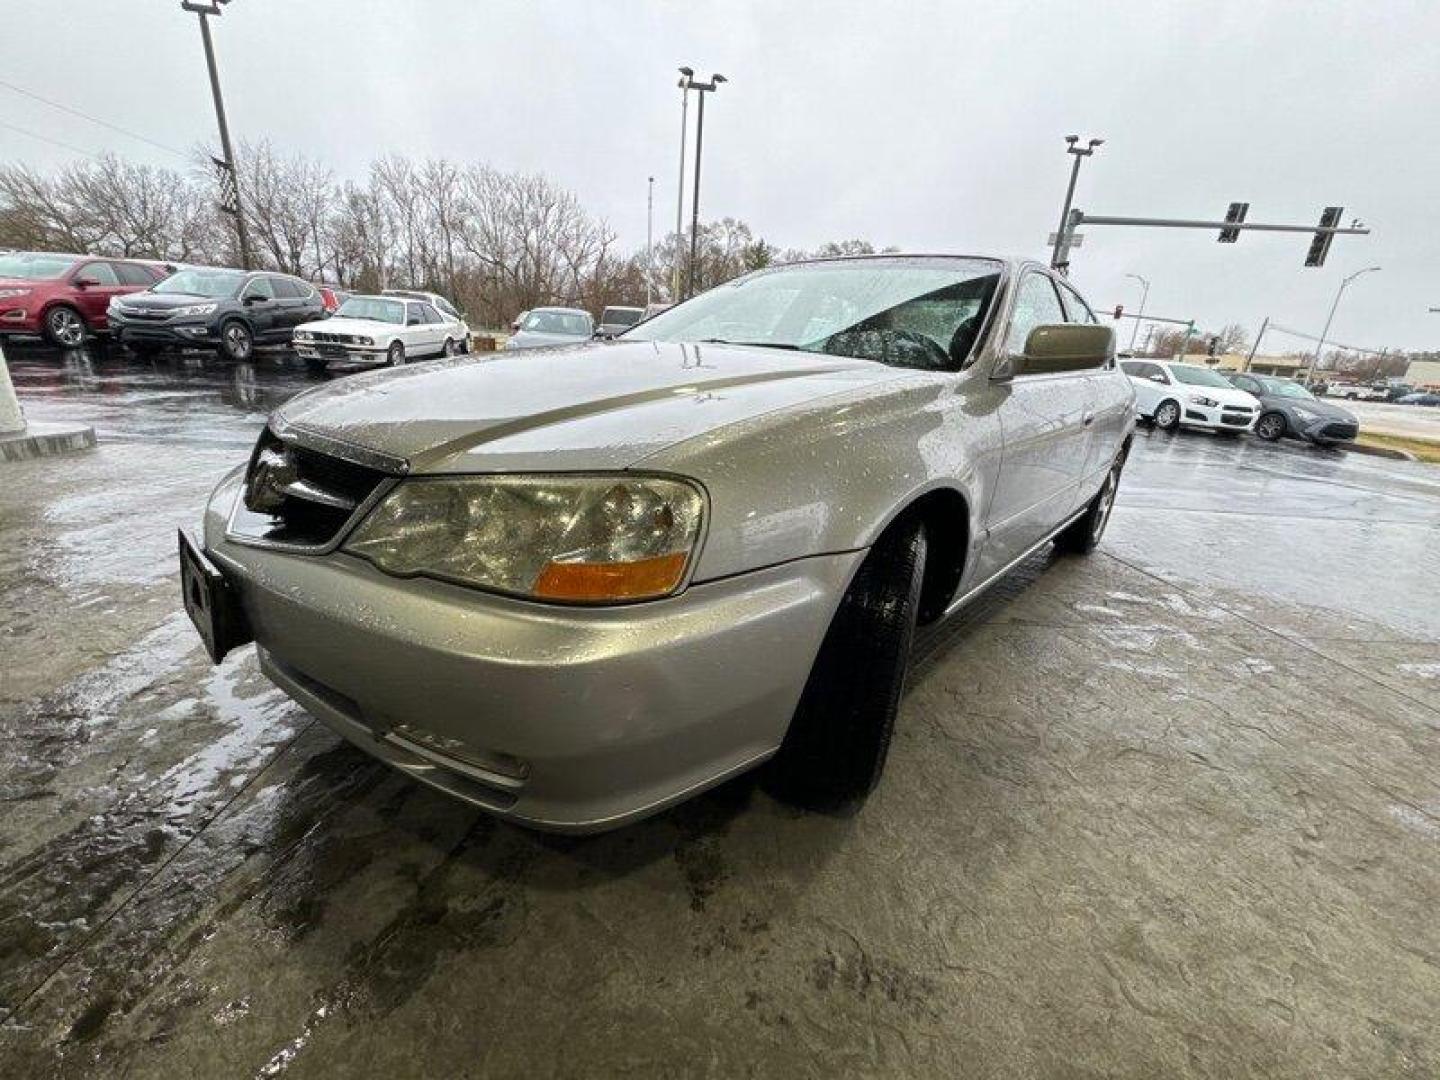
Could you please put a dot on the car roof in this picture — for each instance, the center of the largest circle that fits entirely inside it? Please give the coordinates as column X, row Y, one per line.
column 566, row 310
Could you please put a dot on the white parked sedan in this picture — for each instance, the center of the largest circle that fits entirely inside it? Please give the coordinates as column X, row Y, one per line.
column 1187, row 395
column 379, row 330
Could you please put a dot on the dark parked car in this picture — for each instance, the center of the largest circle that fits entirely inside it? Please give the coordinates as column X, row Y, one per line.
column 65, row 297
column 1426, row 399
column 231, row 311
column 1287, row 408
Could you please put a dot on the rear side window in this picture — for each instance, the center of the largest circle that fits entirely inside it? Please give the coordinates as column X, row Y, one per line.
column 133, row 274
column 429, row 314
column 261, row 287
column 102, row 272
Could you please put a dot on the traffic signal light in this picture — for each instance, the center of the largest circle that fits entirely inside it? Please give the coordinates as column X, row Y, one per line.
column 1320, row 245
column 1119, row 310
column 1214, row 342
column 1236, row 213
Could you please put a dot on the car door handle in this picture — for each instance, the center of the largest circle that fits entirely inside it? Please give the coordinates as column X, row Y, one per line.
column 1088, row 419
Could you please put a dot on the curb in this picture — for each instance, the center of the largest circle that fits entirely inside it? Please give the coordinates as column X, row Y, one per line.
column 43, row 440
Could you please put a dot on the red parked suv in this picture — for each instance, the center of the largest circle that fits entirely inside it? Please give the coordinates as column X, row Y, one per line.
column 64, row 297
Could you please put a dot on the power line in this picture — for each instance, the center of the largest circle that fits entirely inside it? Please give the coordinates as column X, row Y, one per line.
column 48, row 139
column 93, row 120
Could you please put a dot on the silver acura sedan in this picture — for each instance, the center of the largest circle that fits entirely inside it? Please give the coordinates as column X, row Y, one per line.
column 577, row 586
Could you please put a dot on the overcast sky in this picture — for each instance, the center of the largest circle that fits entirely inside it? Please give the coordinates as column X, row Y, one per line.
column 934, row 127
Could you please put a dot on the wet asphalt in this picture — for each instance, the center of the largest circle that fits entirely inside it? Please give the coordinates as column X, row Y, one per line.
column 1170, row 810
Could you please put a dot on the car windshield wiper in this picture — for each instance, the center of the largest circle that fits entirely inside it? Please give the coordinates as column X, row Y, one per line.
column 749, row 344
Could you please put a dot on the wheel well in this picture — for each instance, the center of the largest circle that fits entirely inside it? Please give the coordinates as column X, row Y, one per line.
column 945, row 515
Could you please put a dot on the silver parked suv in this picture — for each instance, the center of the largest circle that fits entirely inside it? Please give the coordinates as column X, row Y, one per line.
column 576, row 586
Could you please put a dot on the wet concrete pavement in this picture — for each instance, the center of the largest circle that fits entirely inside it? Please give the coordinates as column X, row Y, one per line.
column 1171, row 810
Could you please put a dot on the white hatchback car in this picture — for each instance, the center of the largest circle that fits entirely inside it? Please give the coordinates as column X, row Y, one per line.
column 379, row 330
column 1187, row 395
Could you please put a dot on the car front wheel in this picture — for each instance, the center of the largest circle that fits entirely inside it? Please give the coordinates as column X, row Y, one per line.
column 65, row 327
column 1082, row 536
column 395, row 355
column 1167, row 416
column 236, row 341
column 1270, row 426
column 835, row 748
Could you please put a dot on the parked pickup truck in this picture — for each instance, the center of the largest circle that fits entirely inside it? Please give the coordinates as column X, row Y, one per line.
column 1358, row 392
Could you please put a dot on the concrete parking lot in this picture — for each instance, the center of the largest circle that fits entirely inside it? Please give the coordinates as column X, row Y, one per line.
column 1171, row 810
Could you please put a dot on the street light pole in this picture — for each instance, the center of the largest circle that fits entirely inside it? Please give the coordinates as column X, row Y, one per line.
column 1320, row 348
column 649, row 237
column 686, row 74
column 702, row 89
column 1145, row 295
column 204, row 11
column 1060, row 256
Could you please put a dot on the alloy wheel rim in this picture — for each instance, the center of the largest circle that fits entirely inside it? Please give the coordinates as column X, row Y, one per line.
column 1168, row 414
column 1269, row 427
column 66, row 326
column 397, row 356
column 1107, row 503
column 238, row 340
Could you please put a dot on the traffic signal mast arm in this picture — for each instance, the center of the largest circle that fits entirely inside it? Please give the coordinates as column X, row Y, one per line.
column 1079, row 217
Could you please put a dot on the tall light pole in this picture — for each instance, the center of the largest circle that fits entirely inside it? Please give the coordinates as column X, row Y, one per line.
column 1319, row 349
column 1080, row 152
column 686, row 74
column 702, row 89
column 649, row 236
column 229, row 188
column 1145, row 295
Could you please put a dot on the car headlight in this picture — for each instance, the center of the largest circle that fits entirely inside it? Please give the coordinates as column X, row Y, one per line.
column 1201, row 399
column 1306, row 414
column 576, row 539
column 303, row 335
column 363, row 340
column 190, row 310
column 7, row 294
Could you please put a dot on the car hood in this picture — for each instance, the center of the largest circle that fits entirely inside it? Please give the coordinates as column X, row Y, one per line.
column 344, row 324
column 1319, row 406
column 1226, row 395
column 166, row 301
column 604, row 405
column 534, row 339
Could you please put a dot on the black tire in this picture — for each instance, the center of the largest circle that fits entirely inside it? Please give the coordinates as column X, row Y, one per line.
column 237, row 343
column 65, row 327
column 395, row 355
column 1271, row 426
column 449, row 348
column 835, row 749
column 1167, row 415
column 465, row 345
column 316, row 366
column 1082, row 536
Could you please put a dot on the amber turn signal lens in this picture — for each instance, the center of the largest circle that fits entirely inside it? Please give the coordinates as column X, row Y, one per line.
column 639, row 580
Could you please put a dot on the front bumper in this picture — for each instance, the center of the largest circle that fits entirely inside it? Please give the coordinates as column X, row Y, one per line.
column 17, row 317
column 561, row 718
column 340, row 354
column 1327, row 429
column 195, row 333
column 1217, row 418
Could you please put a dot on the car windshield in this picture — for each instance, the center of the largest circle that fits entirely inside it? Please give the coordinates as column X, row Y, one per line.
column 1286, row 388
column 1199, row 376
column 370, row 307
column 25, row 267
column 557, row 322
column 216, row 284
column 618, row 316
column 920, row 313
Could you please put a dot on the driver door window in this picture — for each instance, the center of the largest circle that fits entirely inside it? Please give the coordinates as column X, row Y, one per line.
column 1036, row 304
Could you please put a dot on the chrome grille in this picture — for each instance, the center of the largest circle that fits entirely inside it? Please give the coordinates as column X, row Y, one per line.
column 297, row 497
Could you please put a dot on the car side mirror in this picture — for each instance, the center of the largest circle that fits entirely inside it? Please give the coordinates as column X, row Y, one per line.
column 251, row 298
column 1060, row 347
column 1157, row 377
column 85, row 282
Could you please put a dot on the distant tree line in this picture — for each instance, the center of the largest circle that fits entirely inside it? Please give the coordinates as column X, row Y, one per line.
column 496, row 242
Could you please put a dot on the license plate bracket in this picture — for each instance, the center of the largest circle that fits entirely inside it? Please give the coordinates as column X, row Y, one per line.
column 211, row 602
